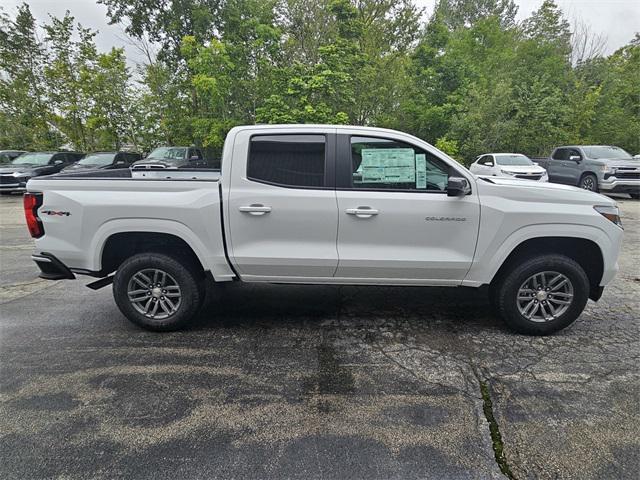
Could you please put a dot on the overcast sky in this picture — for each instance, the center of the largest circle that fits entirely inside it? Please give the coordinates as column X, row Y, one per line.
column 617, row 20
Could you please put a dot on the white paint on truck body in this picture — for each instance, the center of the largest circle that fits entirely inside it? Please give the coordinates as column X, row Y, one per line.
column 302, row 235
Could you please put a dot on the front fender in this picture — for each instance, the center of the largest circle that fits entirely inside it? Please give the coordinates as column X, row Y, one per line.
column 489, row 262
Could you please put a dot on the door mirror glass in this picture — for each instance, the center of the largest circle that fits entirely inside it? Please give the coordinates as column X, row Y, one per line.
column 458, row 187
column 575, row 158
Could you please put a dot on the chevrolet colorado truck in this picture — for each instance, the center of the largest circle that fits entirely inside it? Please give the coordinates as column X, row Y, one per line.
column 599, row 168
column 318, row 204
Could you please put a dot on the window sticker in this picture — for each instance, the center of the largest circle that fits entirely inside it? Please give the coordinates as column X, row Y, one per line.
column 387, row 165
column 421, row 170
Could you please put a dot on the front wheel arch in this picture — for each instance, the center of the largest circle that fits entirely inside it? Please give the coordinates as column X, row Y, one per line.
column 583, row 251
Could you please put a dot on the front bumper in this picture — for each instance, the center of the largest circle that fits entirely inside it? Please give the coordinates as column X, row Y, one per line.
column 615, row 185
column 13, row 187
column 51, row 268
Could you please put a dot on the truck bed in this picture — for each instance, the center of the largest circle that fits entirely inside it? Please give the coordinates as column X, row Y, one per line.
column 97, row 205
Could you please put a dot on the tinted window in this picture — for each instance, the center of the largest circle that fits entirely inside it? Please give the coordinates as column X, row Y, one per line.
column 132, row 157
column 387, row 164
column 293, row 160
column 560, row 154
column 486, row 159
column 573, row 153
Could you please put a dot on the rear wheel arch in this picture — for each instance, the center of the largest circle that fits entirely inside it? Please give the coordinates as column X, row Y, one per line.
column 118, row 247
column 583, row 251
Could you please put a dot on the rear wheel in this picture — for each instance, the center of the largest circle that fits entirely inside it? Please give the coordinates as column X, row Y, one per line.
column 589, row 182
column 158, row 292
column 541, row 295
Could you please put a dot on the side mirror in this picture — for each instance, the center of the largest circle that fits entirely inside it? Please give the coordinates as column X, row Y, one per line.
column 194, row 157
column 58, row 162
column 575, row 158
column 488, row 164
column 458, row 187
column 120, row 162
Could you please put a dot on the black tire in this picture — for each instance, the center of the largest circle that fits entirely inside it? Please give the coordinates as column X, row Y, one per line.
column 589, row 182
column 178, row 272
column 506, row 291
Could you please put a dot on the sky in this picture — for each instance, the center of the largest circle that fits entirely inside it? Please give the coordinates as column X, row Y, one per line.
column 616, row 20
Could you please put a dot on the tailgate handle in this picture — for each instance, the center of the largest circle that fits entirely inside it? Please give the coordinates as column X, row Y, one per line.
column 255, row 209
column 362, row 212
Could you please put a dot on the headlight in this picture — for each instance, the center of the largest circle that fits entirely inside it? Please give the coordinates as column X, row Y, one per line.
column 507, row 172
column 607, row 169
column 610, row 213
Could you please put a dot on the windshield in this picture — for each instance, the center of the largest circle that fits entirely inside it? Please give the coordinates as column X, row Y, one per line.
column 98, row 159
column 606, row 153
column 32, row 159
column 513, row 160
column 168, row 152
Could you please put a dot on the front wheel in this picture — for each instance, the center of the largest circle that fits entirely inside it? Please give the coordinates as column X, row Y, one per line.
column 589, row 182
column 157, row 292
column 542, row 295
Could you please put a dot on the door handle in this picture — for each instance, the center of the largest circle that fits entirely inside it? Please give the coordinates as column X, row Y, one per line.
column 255, row 209
column 362, row 212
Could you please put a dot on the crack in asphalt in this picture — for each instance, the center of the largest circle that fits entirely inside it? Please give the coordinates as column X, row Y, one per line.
column 496, row 437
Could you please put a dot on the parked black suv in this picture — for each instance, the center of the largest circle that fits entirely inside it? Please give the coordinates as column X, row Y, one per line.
column 14, row 176
column 103, row 161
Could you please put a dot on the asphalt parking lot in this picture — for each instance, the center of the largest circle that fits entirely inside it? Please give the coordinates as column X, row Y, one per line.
column 313, row 382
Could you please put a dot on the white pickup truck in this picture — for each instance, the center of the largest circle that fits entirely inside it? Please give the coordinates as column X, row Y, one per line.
column 320, row 204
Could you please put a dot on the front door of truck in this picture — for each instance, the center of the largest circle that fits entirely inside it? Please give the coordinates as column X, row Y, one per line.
column 396, row 222
column 282, row 211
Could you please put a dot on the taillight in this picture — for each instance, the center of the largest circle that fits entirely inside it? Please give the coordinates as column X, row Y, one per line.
column 33, row 201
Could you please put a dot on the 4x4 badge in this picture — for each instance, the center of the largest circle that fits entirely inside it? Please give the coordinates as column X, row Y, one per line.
column 53, row 212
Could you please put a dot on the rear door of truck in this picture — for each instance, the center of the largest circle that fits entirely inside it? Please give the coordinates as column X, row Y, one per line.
column 281, row 207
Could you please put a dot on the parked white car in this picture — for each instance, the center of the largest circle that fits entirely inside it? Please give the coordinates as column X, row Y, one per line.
column 511, row 165
column 323, row 204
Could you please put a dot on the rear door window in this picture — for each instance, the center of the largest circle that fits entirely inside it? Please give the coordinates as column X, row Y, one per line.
column 288, row 160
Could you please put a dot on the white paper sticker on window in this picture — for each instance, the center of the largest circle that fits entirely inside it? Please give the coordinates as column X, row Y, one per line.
column 387, row 165
column 421, row 170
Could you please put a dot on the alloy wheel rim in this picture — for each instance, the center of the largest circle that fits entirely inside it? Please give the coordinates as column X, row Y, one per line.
column 154, row 293
column 545, row 296
column 587, row 183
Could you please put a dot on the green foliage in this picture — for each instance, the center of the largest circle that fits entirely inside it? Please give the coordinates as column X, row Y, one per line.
column 469, row 80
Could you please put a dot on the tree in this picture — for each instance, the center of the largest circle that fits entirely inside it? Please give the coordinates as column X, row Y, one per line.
column 24, row 116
